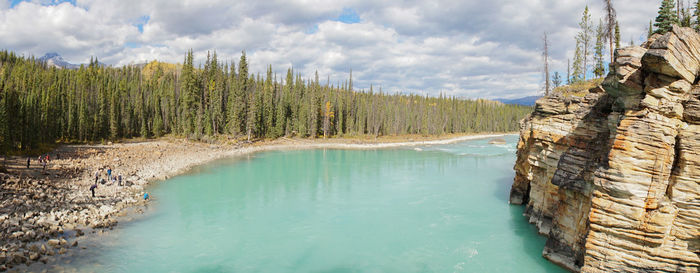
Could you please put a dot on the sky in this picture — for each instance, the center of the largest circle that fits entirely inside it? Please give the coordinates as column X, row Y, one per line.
column 470, row 49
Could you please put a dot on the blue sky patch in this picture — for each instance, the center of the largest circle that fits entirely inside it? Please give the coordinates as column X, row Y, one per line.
column 348, row 16
column 132, row 45
column 13, row 3
column 142, row 21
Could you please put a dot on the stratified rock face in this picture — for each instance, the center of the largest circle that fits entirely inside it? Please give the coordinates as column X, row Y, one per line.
column 613, row 178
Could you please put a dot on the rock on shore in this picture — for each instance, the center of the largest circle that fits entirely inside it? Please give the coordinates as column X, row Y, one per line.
column 613, row 178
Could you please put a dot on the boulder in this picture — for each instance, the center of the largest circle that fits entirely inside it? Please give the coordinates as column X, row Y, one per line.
column 625, row 82
column 34, row 256
column 54, row 242
column 675, row 54
column 18, row 258
column 17, row 235
column 551, row 105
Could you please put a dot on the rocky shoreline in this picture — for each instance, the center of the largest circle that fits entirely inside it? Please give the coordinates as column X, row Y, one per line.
column 46, row 212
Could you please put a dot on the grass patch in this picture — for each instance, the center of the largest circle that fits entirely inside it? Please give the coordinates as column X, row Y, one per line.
column 578, row 89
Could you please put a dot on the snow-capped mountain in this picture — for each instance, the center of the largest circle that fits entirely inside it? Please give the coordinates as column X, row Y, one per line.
column 53, row 59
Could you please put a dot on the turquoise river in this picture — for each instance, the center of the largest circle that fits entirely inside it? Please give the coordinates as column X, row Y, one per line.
column 435, row 208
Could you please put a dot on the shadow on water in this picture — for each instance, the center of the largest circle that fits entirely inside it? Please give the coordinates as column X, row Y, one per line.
column 532, row 245
column 502, row 191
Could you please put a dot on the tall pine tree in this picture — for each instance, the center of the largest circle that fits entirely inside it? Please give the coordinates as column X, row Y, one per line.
column 584, row 39
column 598, row 58
column 667, row 17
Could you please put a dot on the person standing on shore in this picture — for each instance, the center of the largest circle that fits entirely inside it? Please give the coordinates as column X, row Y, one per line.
column 120, row 180
column 28, row 160
column 109, row 173
column 97, row 176
column 92, row 189
column 44, row 163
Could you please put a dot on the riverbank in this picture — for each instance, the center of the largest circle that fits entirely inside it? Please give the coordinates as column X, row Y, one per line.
column 44, row 212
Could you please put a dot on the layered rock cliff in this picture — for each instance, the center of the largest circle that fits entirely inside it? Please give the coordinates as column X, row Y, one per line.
column 612, row 178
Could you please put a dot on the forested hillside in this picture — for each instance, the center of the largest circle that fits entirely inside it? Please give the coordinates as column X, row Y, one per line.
column 43, row 105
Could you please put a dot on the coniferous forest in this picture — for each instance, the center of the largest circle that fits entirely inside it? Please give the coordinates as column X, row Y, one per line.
column 39, row 104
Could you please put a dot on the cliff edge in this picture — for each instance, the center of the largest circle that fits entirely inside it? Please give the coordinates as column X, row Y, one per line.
column 612, row 178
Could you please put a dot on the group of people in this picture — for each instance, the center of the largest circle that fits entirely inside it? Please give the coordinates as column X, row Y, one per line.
column 112, row 178
column 43, row 160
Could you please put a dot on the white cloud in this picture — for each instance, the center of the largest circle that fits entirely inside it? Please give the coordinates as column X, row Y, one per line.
column 465, row 48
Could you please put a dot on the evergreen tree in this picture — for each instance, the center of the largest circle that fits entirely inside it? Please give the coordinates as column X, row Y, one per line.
column 252, row 115
column 283, row 112
column 556, row 79
column 157, row 120
column 617, row 35
column 650, row 30
column 114, row 110
column 584, row 39
column 696, row 14
column 5, row 141
column 599, row 66
column 233, row 123
column 578, row 65
column 667, row 17
column 189, row 107
column 685, row 18
column 238, row 99
column 268, row 98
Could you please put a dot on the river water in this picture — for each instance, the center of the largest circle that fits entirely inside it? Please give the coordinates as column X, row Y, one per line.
column 441, row 208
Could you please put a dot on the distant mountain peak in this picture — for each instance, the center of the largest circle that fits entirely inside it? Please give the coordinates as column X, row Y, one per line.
column 50, row 55
column 54, row 59
column 526, row 101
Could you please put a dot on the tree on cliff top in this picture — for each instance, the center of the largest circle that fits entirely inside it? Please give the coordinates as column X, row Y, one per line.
column 617, row 35
column 556, row 79
column 577, row 67
column 610, row 24
column 545, row 56
column 584, row 41
column 598, row 58
column 667, row 17
column 696, row 13
column 685, row 16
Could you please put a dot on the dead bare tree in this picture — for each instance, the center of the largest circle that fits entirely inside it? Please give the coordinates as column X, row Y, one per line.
column 545, row 55
column 610, row 21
